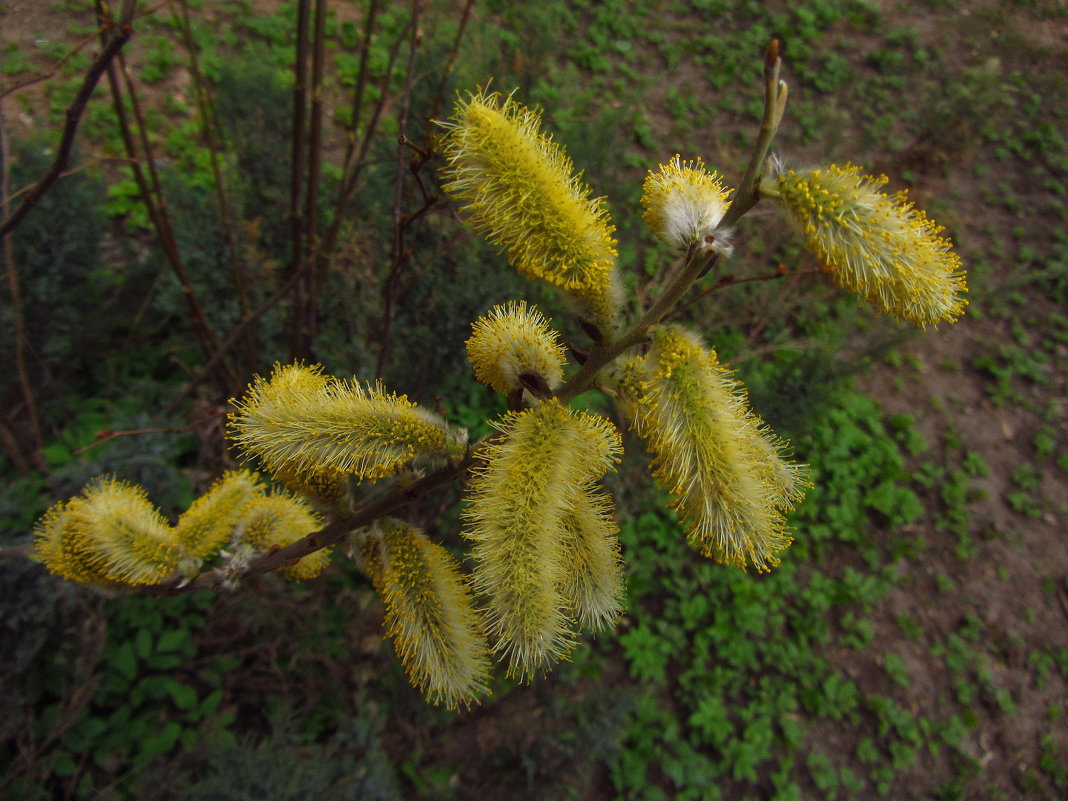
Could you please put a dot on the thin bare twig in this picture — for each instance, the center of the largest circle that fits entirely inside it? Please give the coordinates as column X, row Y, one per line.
column 208, row 126
column 231, row 338
column 120, row 34
column 73, row 171
column 450, row 62
column 399, row 256
column 52, row 71
column 140, row 152
column 18, row 319
column 309, row 322
column 356, row 157
column 106, row 435
column 296, row 173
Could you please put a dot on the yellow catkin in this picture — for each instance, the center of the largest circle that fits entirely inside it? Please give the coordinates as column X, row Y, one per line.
column 511, row 340
column 519, row 189
column 209, row 521
column 54, row 546
column 519, row 499
column 326, row 490
column 684, row 204
column 592, row 582
column 110, row 535
column 275, row 521
column 338, row 427
column 879, row 246
column 725, row 472
column 429, row 615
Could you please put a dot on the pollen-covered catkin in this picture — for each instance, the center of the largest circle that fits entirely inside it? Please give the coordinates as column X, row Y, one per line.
column 880, row 247
column 111, row 535
column 429, row 615
column 519, row 189
column 337, row 427
column 592, row 581
column 275, row 521
column 684, row 204
column 729, row 483
column 519, row 499
column 510, row 341
column 209, row 521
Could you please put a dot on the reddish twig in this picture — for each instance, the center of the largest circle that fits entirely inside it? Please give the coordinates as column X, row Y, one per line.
column 106, row 434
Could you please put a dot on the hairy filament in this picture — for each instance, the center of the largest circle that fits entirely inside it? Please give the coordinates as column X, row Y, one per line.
column 429, row 615
column 881, row 247
column 520, row 497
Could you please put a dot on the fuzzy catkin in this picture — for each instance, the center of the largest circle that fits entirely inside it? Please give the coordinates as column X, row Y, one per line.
column 592, row 582
column 275, row 521
column 209, row 521
column 429, row 615
column 332, row 428
column 519, row 499
column 110, row 535
column 879, row 246
column 519, row 189
column 684, row 204
column 729, row 483
column 511, row 340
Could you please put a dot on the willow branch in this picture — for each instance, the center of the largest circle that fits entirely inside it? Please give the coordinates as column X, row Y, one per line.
column 775, row 94
column 331, row 534
column 697, row 262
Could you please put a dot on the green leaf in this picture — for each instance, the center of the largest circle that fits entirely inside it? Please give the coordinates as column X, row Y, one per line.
column 143, row 643
column 211, row 703
column 124, row 660
column 161, row 742
column 184, row 696
column 174, row 640
column 64, row 765
column 165, row 661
